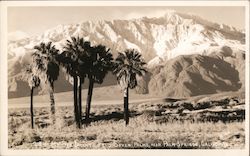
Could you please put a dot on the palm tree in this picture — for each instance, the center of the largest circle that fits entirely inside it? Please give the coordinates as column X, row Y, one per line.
column 99, row 62
column 67, row 60
column 85, row 59
column 73, row 60
column 128, row 65
column 33, row 82
column 47, row 67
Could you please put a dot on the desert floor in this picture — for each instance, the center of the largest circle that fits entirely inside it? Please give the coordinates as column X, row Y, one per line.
column 203, row 122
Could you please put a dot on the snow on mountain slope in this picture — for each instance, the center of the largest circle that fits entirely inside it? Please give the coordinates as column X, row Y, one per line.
column 165, row 36
column 158, row 39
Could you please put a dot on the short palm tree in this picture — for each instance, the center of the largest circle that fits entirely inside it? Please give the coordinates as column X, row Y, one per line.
column 34, row 82
column 99, row 63
column 127, row 66
column 47, row 67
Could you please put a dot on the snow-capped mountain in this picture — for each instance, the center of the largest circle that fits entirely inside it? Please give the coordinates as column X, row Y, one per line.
column 159, row 39
column 168, row 36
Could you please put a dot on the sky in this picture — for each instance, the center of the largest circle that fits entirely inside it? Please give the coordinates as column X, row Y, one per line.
column 36, row 20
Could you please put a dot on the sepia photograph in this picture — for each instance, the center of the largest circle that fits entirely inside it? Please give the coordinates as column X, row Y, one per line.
column 115, row 75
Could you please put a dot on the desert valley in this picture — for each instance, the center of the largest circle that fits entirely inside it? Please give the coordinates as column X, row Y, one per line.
column 191, row 97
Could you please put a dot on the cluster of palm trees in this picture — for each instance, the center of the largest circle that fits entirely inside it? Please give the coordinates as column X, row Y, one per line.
column 82, row 60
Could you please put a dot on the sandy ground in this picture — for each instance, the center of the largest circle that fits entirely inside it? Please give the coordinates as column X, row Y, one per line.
column 101, row 96
column 201, row 122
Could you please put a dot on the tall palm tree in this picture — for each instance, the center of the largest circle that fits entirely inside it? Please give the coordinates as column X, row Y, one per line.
column 73, row 60
column 99, row 63
column 33, row 82
column 46, row 65
column 67, row 60
column 84, row 59
column 127, row 66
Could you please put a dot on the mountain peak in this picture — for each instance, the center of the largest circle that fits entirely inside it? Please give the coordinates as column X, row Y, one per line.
column 173, row 17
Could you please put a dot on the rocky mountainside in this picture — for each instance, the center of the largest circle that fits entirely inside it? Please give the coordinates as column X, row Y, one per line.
column 161, row 40
column 190, row 75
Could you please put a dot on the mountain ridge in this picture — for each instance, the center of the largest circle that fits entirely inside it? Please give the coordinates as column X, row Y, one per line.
column 135, row 32
column 158, row 39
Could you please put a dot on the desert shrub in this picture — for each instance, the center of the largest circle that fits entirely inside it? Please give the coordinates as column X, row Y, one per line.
column 32, row 137
column 223, row 102
column 174, row 104
column 148, row 115
column 88, row 137
column 202, row 105
column 187, row 106
column 14, row 122
column 42, row 122
column 28, row 136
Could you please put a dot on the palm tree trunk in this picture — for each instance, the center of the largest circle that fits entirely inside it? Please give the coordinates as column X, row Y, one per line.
column 126, row 110
column 75, row 100
column 89, row 97
column 80, row 103
column 52, row 107
column 31, row 108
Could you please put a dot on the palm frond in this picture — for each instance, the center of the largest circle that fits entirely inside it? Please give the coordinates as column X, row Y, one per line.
column 127, row 65
column 29, row 76
column 45, row 61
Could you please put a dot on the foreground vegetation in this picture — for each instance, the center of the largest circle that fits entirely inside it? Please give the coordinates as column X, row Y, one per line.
column 168, row 124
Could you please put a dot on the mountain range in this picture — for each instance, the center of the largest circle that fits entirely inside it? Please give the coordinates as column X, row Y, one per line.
column 186, row 54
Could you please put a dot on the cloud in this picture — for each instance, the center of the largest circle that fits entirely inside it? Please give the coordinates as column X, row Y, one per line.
column 17, row 35
column 148, row 13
